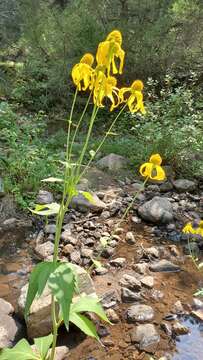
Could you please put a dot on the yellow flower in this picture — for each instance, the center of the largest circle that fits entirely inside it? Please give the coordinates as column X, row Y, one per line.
column 135, row 98
column 199, row 230
column 110, row 49
column 188, row 229
column 105, row 87
column 82, row 72
column 152, row 169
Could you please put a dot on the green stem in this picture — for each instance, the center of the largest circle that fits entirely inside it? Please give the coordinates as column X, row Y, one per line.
column 70, row 123
column 191, row 254
column 55, row 328
column 120, row 221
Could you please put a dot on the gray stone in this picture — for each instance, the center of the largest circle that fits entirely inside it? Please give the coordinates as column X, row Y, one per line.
column 86, row 252
column 66, row 235
column 183, row 185
column 112, row 316
column 113, row 162
column 44, row 197
column 50, row 229
column 157, row 210
column 164, row 266
column 80, row 203
column 137, row 186
column 75, row 257
column 152, row 251
column 6, row 308
column 166, row 186
column 136, row 220
column 68, row 249
column 62, row 353
column 68, row 239
column 197, row 304
column 44, row 250
column 118, row 262
column 10, row 330
column 148, row 281
column 140, row 313
column 129, row 296
column 130, row 282
column 147, row 337
column 39, row 320
column 130, row 239
column 141, row 268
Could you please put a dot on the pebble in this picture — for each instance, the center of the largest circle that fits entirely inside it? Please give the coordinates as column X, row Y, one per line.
column 118, row 262
column 50, row 229
column 147, row 337
column 129, row 296
column 179, row 329
column 130, row 238
column 148, row 281
column 130, row 282
column 112, row 316
column 140, row 313
column 164, row 266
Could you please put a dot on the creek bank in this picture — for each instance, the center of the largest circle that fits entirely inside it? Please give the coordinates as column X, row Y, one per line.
column 140, row 268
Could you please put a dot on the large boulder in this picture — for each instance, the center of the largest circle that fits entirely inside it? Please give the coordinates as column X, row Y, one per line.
column 157, row 210
column 113, row 162
column 39, row 320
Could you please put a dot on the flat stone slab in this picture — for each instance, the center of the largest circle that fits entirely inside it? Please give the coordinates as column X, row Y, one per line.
column 146, row 336
column 164, row 266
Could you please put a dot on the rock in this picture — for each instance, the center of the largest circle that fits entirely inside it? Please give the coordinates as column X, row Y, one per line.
column 137, row 186
column 118, row 231
column 10, row 331
column 66, row 235
column 81, row 204
column 113, row 162
column 75, row 257
column 197, row 304
column 105, row 215
column 44, row 250
column 86, row 252
column 130, row 282
column 68, row 249
column 166, row 186
column 107, row 252
column 157, row 210
column 118, row 262
column 136, row 220
column 141, row 268
column 164, row 266
column 148, row 281
column 109, row 299
column 147, row 337
column 112, row 316
column 61, row 353
column 39, row 320
column 101, row 270
column 152, row 251
column 6, row 308
column 183, row 185
column 50, row 229
column 129, row 296
column 179, row 329
column 198, row 314
column 178, row 308
column 140, row 313
column 130, row 239
column 44, row 197
column 166, row 327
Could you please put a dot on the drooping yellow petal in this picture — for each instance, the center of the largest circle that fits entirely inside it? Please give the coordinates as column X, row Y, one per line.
column 158, row 173
column 116, row 36
column 155, row 159
column 188, row 229
column 137, row 85
column 146, row 169
column 88, row 59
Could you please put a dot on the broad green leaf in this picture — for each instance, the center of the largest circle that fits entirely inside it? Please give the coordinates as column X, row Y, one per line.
column 97, row 263
column 43, row 344
column 37, row 282
column 62, row 284
column 92, row 153
column 52, row 179
column 21, row 351
column 46, row 210
column 104, row 240
column 88, row 196
column 91, row 304
column 84, row 324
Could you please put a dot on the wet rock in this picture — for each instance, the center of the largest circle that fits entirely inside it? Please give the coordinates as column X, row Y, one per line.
column 130, row 282
column 183, row 185
column 179, row 329
column 164, row 266
column 10, row 330
column 75, row 257
column 130, row 239
column 118, row 262
column 141, row 268
column 157, row 210
column 50, row 229
column 44, row 197
column 113, row 162
column 198, row 314
column 6, row 308
column 129, row 296
column 139, row 313
column 81, row 204
column 39, row 320
column 43, row 251
column 112, row 316
column 147, row 337
column 148, row 281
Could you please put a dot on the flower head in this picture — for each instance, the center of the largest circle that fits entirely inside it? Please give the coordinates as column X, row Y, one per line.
column 153, row 169
column 82, row 72
column 194, row 228
column 110, row 49
column 188, row 229
column 134, row 98
column 106, row 87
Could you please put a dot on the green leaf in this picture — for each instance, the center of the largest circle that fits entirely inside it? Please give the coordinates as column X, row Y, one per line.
column 43, row 344
column 84, row 324
column 46, row 210
column 97, row 263
column 52, row 179
column 21, row 351
column 37, row 282
column 72, row 191
column 88, row 196
column 62, row 284
column 91, row 304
